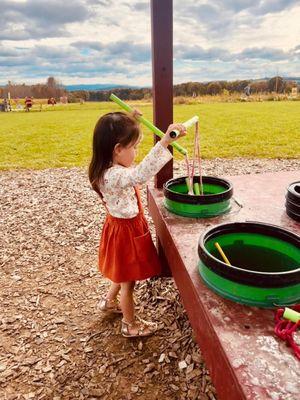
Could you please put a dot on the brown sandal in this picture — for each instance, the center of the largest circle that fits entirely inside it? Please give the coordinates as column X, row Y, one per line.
column 104, row 306
column 144, row 328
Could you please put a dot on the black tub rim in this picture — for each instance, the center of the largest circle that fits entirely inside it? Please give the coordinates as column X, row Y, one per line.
column 199, row 199
column 293, row 215
column 292, row 194
column 289, row 204
column 245, row 276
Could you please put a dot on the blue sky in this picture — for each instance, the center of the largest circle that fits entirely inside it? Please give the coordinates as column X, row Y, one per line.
column 108, row 41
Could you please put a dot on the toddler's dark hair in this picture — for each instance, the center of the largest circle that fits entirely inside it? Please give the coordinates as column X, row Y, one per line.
column 112, row 128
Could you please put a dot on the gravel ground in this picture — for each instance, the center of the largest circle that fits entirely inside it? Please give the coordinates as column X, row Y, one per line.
column 53, row 343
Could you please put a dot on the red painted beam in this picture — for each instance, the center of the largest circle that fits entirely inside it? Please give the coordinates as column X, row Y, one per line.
column 162, row 73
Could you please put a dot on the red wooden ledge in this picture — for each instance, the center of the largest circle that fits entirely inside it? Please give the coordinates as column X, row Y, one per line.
column 245, row 359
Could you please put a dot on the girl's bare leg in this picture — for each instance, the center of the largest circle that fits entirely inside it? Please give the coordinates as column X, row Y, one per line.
column 109, row 303
column 127, row 307
column 113, row 291
column 126, row 301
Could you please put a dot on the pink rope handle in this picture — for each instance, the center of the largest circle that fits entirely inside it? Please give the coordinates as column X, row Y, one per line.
column 189, row 172
column 196, row 156
column 197, row 135
column 286, row 329
column 291, row 340
column 194, row 151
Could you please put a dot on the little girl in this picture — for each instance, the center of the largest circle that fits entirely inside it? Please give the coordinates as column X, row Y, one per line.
column 126, row 252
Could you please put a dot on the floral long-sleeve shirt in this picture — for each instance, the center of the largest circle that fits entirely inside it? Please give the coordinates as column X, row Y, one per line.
column 118, row 182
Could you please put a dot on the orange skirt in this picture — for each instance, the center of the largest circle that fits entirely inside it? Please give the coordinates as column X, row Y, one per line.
column 127, row 252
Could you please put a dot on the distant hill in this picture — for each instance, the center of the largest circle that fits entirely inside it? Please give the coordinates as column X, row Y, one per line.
column 286, row 78
column 97, row 86
column 291, row 78
column 108, row 86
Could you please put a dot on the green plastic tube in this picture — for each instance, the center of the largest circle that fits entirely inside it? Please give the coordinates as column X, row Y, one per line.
column 189, row 187
column 292, row 315
column 197, row 188
column 145, row 122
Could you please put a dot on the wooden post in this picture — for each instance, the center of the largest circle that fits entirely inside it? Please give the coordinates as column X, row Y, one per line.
column 162, row 76
column 162, row 72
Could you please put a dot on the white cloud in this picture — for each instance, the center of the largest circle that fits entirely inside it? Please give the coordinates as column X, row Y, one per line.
column 108, row 41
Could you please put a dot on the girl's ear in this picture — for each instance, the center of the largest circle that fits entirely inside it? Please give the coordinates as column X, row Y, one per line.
column 117, row 148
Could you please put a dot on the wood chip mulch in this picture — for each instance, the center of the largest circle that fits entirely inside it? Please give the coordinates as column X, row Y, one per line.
column 53, row 342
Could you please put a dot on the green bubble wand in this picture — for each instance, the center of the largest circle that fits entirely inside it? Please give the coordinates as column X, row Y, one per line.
column 146, row 122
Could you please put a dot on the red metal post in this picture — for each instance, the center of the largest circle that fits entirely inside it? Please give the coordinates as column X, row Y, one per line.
column 162, row 72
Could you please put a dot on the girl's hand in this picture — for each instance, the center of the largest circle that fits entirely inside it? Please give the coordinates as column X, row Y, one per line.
column 166, row 140
column 136, row 113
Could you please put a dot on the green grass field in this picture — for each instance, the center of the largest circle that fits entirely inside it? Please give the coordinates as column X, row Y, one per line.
column 61, row 137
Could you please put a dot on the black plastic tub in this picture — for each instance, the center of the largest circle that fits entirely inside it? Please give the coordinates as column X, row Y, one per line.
column 265, row 263
column 293, row 201
column 293, row 192
column 215, row 200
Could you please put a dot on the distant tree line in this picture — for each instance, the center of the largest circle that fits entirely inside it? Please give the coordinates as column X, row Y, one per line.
column 52, row 88
column 276, row 84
